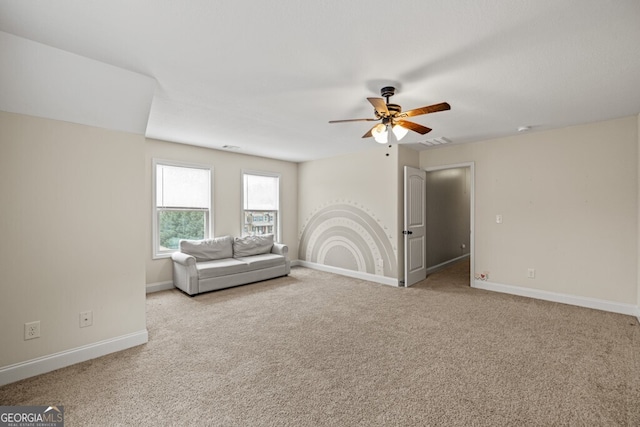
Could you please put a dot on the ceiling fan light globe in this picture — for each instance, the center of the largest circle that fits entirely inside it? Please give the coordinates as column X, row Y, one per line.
column 400, row 132
column 381, row 138
column 379, row 133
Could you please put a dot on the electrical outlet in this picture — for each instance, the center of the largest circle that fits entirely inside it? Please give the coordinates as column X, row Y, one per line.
column 32, row 330
column 482, row 276
column 531, row 273
column 86, row 319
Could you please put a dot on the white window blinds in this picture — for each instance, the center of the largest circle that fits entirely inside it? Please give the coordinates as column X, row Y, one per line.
column 260, row 192
column 182, row 187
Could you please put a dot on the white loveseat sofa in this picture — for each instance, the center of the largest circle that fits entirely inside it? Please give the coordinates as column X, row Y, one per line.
column 222, row 262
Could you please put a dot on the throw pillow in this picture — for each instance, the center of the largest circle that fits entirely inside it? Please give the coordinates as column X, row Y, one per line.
column 252, row 245
column 208, row 249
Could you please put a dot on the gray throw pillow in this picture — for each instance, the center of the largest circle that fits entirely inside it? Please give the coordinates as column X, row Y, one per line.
column 208, row 249
column 252, row 245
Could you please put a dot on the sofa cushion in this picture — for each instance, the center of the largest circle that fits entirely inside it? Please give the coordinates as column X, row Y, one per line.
column 252, row 245
column 258, row 262
column 208, row 249
column 220, row 267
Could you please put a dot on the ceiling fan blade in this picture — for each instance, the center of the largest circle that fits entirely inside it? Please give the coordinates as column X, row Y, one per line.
column 379, row 105
column 413, row 126
column 353, row 120
column 369, row 134
column 443, row 106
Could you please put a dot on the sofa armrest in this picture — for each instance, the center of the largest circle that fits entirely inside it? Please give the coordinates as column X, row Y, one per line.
column 280, row 249
column 182, row 258
column 185, row 273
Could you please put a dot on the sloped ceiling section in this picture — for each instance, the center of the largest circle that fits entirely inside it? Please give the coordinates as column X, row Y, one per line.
column 42, row 81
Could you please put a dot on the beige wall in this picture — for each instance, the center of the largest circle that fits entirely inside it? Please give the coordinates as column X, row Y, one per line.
column 72, row 230
column 569, row 200
column 227, row 190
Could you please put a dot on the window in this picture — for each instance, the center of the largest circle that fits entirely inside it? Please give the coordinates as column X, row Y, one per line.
column 182, row 205
column 261, row 203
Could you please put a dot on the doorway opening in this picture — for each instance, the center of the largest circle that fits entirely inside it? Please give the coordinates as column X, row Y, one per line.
column 450, row 201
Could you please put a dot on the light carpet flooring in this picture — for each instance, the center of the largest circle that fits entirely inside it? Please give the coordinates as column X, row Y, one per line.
column 318, row 349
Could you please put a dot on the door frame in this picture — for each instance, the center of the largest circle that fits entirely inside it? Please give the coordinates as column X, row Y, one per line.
column 472, row 204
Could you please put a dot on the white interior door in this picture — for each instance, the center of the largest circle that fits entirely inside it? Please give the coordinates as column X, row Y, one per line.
column 415, row 268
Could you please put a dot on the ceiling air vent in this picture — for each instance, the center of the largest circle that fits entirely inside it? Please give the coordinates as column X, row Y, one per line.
column 435, row 141
column 231, row 147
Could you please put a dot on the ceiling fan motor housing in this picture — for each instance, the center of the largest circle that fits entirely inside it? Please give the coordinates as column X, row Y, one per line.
column 394, row 109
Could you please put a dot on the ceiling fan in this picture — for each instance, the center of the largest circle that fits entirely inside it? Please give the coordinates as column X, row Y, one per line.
column 392, row 118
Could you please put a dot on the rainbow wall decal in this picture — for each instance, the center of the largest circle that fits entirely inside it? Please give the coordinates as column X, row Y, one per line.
column 346, row 236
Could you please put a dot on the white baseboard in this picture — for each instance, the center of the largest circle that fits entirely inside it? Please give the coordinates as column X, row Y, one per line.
column 598, row 304
column 442, row 265
column 51, row 362
column 350, row 273
column 159, row 286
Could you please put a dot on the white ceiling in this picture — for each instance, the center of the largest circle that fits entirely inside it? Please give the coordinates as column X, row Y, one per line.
column 267, row 76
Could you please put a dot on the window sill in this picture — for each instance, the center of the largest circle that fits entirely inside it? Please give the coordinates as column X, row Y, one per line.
column 162, row 255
